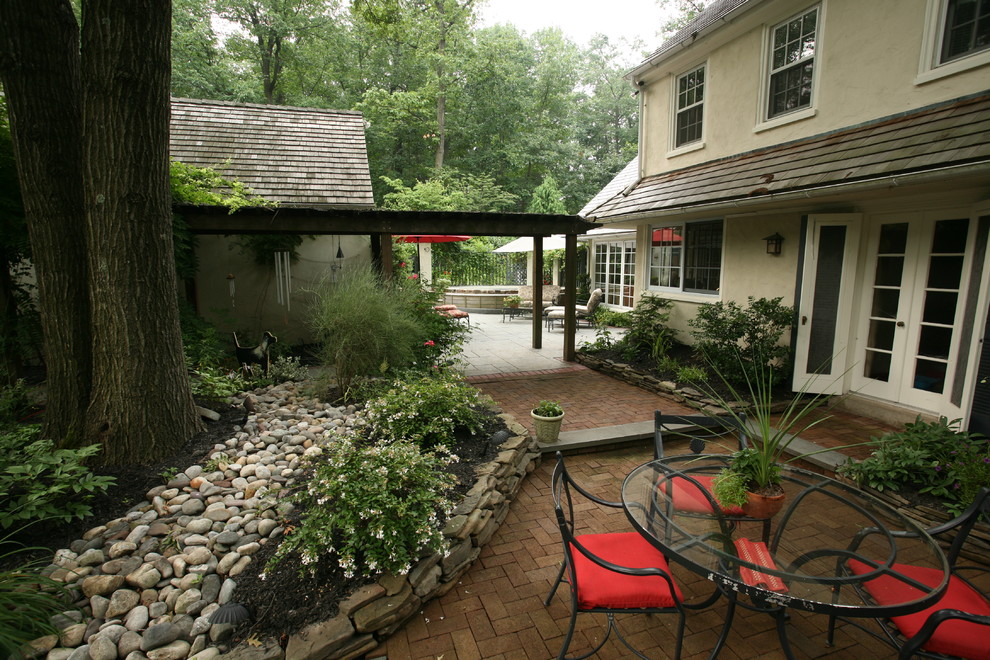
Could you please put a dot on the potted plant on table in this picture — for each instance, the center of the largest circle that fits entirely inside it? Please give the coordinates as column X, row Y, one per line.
column 512, row 302
column 547, row 418
column 752, row 478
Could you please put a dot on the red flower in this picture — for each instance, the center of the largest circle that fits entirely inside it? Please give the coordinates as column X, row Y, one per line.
column 428, row 342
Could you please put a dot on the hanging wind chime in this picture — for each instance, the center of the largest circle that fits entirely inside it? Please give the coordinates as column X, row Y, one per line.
column 283, row 279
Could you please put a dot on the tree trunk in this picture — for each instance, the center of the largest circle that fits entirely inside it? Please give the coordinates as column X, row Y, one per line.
column 141, row 407
column 39, row 65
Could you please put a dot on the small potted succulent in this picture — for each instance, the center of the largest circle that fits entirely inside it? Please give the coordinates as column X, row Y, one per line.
column 512, row 302
column 547, row 418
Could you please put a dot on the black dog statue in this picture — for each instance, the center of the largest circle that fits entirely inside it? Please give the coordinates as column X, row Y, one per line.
column 247, row 356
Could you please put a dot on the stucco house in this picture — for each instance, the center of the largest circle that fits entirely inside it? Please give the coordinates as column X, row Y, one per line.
column 301, row 158
column 859, row 134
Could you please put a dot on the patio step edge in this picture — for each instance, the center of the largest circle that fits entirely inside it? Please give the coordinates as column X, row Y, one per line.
column 604, row 435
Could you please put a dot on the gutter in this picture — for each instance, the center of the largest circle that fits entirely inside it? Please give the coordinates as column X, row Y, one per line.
column 888, row 181
column 635, row 74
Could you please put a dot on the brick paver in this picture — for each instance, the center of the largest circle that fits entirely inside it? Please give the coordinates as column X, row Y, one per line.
column 496, row 611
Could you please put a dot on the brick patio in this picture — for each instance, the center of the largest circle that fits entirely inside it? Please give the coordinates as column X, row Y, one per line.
column 496, row 610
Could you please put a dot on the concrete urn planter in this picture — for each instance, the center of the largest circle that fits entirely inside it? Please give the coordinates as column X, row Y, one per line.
column 547, row 428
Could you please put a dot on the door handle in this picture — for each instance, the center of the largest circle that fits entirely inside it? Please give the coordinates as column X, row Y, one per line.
column 900, row 324
column 804, row 320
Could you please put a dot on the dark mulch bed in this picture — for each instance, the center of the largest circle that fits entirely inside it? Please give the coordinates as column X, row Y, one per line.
column 285, row 601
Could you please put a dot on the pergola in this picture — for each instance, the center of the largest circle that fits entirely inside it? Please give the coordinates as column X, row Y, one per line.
column 382, row 224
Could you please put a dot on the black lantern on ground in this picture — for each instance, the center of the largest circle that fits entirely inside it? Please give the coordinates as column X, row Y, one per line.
column 773, row 243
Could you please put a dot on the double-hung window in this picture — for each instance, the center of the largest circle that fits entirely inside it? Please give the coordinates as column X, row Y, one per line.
column 957, row 38
column 966, row 30
column 792, row 63
column 690, row 107
column 686, row 256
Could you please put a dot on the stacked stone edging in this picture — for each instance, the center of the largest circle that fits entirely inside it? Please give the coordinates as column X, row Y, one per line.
column 977, row 547
column 373, row 613
column 145, row 585
column 684, row 395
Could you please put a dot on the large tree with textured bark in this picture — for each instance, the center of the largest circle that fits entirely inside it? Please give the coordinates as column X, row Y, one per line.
column 90, row 127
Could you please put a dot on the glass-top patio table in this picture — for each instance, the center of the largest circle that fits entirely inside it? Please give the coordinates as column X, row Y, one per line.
column 796, row 558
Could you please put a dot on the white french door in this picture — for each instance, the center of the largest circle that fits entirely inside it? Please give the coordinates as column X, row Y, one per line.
column 912, row 305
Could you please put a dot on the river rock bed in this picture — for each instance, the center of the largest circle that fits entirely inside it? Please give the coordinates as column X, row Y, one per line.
column 146, row 584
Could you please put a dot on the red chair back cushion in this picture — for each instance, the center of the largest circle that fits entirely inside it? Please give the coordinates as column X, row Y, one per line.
column 598, row 587
column 964, row 639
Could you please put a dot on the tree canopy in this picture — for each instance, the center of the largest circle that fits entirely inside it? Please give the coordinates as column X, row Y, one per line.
column 437, row 91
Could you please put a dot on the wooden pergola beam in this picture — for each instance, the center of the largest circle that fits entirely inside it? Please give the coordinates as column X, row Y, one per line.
column 292, row 220
column 382, row 224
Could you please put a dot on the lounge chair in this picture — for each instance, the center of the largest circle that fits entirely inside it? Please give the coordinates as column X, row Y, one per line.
column 550, row 294
column 581, row 312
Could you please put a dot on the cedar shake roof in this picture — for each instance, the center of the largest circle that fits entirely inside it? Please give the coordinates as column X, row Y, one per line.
column 951, row 134
column 296, row 156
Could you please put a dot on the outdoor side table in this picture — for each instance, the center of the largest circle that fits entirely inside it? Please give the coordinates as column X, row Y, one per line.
column 820, row 527
column 513, row 312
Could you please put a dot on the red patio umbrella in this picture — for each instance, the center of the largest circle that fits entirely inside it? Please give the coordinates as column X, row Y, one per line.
column 429, row 238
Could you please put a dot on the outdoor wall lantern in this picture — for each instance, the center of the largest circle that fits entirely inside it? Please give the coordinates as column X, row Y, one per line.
column 773, row 243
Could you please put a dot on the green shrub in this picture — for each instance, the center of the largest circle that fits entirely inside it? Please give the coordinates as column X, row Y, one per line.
column 648, row 331
column 218, row 383
column 201, row 343
column 609, row 317
column 687, row 374
column 364, row 327
column 287, row 368
column 930, row 457
column 548, row 409
column 38, row 481
column 15, row 403
column 426, row 410
column 603, row 340
column 28, row 600
column 371, row 508
column 724, row 332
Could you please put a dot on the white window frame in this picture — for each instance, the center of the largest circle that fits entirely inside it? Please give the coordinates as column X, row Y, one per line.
column 765, row 121
column 680, row 292
column 613, row 293
column 675, row 112
column 930, row 67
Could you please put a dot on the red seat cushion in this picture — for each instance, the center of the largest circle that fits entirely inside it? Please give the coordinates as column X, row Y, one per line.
column 954, row 637
column 441, row 308
column 756, row 552
column 456, row 313
column 688, row 497
column 598, row 587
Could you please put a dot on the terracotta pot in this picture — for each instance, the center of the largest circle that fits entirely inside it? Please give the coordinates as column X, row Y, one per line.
column 762, row 506
column 547, row 428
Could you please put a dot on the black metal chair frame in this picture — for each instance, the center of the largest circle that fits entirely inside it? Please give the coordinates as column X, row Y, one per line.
column 562, row 483
column 908, row 648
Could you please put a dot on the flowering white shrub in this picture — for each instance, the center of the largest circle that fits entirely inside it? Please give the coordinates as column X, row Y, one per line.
column 372, row 508
column 426, row 410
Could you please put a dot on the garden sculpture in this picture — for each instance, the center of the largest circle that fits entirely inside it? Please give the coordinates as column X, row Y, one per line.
column 247, row 356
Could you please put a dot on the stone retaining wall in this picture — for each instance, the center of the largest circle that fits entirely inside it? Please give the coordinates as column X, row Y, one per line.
column 374, row 612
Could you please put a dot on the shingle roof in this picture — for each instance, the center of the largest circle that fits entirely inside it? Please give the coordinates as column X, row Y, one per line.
column 297, row 156
column 712, row 15
column 950, row 134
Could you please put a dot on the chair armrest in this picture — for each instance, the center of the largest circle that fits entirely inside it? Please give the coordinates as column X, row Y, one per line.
column 936, row 619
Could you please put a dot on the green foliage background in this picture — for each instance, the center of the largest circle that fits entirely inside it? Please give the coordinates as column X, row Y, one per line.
column 514, row 106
